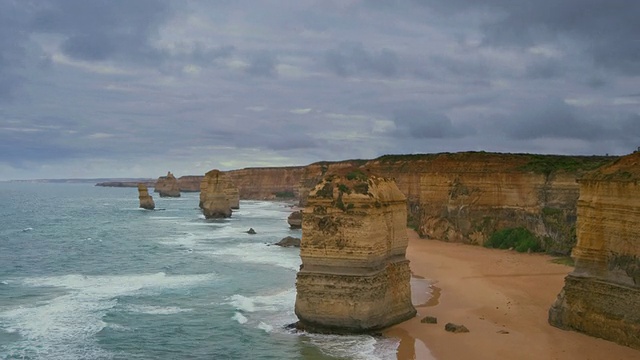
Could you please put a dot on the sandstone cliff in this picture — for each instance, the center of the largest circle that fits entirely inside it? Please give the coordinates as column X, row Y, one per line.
column 466, row 197
column 214, row 200
column 190, row 183
column 146, row 201
column 601, row 297
column 167, row 186
column 268, row 183
column 354, row 275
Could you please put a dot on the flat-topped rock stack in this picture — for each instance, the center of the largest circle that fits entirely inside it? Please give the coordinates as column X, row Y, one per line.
column 167, row 186
column 146, row 201
column 601, row 297
column 214, row 200
column 354, row 276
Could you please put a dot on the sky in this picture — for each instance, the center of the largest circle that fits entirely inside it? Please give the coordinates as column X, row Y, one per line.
column 121, row 88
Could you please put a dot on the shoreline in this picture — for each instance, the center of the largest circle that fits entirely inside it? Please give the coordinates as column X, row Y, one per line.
column 501, row 296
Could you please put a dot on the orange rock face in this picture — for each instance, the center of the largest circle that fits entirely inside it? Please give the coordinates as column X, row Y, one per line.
column 353, row 252
column 167, row 186
column 190, row 183
column 214, row 199
column 146, row 201
column 267, row 183
column 601, row 297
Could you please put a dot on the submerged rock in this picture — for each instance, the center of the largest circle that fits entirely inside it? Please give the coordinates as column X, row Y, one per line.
column 354, row 276
column 289, row 241
column 251, row 231
column 295, row 220
column 146, row 201
column 601, row 297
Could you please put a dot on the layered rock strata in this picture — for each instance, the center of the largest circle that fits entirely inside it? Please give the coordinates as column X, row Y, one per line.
column 354, row 276
column 146, row 201
column 167, row 186
column 601, row 297
column 214, row 200
column 190, row 183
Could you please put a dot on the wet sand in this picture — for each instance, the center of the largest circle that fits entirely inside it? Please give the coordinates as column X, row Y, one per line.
column 501, row 296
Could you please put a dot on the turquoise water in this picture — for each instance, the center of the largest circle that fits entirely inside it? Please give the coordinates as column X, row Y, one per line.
column 86, row 274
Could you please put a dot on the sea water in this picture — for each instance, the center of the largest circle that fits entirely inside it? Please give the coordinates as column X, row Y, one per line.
column 86, row 274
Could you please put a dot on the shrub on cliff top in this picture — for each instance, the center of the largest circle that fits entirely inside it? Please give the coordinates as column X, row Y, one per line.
column 518, row 238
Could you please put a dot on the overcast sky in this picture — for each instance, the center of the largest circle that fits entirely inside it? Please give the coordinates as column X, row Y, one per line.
column 122, row 88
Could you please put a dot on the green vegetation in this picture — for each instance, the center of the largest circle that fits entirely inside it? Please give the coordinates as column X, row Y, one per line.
column 344, row 188
column 549, row 211
column 546, row 164
column 287, row 194
column 357, row 175
column 564, row 260
column 520, row 239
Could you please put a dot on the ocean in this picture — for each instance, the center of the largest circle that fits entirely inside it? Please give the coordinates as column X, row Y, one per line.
column 86, row 274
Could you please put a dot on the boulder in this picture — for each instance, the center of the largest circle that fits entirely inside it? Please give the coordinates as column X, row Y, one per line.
column 354, row 238
column 455, row 328
column 295, row 220
column 251, row 231
column 167, row 186
column 146, row 201
column 289, row 241
column 214, row 201
column 601, row 297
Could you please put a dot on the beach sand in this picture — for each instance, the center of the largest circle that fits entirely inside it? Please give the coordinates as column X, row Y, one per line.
column 491, row 292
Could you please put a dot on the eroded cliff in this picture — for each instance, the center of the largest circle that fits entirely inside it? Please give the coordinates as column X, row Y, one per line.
column 354, row 275
column 601, row 297
column 267, row 183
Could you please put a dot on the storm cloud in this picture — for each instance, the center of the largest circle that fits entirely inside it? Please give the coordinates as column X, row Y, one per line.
column 136, row 88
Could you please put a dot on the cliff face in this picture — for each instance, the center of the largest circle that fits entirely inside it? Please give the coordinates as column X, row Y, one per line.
column 146, row 201
column 190, row 183
column 353, row 252
column 167, row 186
column 466, row 197
column 214, row 200
column 267, row 183
column 601, row 297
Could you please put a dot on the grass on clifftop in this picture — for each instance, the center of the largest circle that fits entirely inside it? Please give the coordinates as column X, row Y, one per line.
column 520, row 239
column 546, row 164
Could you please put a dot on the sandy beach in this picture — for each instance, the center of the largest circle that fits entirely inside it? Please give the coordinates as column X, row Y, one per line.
column 502, row 297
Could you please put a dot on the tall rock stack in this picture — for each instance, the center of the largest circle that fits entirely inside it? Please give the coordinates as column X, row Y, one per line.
column 354, row 276
column 146, row 201
column 601, row 297
column 214, row 200
column 232, row 193
column 167, row 186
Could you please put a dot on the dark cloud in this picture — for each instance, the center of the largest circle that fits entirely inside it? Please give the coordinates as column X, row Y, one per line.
column 350, row 59
column 423, row 124
column 13, row 36
column 606, row 29
column 262, row 63
column 102, row 30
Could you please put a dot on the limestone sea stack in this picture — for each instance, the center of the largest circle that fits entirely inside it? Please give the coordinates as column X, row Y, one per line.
column 214, row 201
column 354, row 276
column 601, row 297
column 146, row 201
column 167, row 186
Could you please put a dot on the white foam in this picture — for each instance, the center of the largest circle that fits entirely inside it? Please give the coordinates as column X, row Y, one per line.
column 156, row 310
column 4, row 282
column 65, row 327
column 243, row 303
column 272, row 303
column 357, row 347
column 241, row 319
column 258, row 253
column 27, row 229
column 266, row 327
